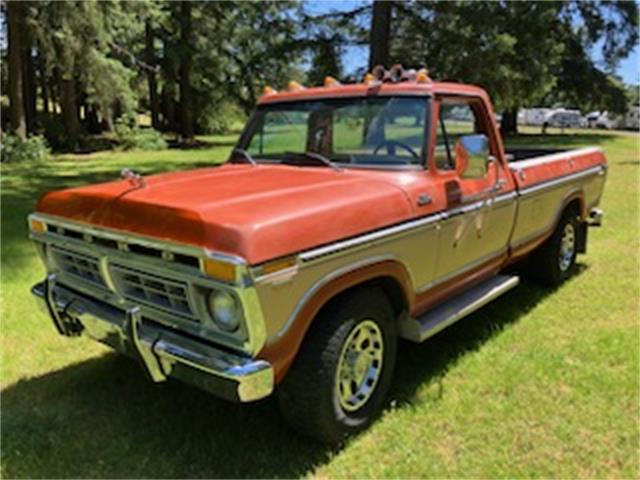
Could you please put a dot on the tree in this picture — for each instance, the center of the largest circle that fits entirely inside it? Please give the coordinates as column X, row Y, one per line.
column 186, row 62
column 325, row 61
column 150, row 57
column 380, row 31
column 518, row 62
column 15, row 21
column 86, row 46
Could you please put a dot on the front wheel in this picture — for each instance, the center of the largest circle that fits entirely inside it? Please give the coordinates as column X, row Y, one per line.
column 343, row 371
column 556, row 258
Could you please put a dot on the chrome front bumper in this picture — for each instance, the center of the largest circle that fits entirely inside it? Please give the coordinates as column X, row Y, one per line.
column 162, row 352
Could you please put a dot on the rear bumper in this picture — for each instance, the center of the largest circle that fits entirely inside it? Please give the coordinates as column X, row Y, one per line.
column 162, row 352
column 595, row 217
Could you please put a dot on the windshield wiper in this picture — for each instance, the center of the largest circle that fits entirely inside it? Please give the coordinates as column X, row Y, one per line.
column 245, row 155
column 318, row 157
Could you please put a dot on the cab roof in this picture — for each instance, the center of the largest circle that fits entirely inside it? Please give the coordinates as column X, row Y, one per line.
column 300, row 93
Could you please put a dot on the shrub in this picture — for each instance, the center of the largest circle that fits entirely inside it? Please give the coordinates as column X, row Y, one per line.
column 218, row 117
column 56, row 135
column 15, row 149
column 132, row 137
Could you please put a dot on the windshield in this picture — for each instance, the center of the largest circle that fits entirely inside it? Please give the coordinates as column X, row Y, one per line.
column 369, row 131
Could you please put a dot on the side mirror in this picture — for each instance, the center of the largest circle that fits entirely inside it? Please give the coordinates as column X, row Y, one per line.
column 472, row 156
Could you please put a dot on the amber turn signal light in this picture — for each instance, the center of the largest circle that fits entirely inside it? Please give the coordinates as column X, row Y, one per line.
column 219, row 270
column 37, row 226
column 280, row 264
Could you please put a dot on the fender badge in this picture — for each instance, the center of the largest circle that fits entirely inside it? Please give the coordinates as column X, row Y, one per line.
column 135, row 179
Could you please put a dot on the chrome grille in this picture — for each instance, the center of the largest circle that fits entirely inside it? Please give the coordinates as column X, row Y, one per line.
column 156, row 291
column 79, row 265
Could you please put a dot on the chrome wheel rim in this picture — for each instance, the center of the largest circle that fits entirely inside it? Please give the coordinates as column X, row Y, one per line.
column 567, row 247
column 359, row 365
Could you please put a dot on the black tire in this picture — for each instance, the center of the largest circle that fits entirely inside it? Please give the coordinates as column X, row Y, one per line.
column 550, row 265
column 309, row 395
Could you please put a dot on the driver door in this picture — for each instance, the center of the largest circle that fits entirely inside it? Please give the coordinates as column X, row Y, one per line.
column 480, row 216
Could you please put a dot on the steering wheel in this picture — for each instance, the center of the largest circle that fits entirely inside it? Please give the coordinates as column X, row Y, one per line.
column 391, row 148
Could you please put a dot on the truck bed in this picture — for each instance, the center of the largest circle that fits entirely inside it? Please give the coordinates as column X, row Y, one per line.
column 536, row 165
column 517, row 154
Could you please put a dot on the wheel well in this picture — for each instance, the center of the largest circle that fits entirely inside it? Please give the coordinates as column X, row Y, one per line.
column 389, row 286
column 575, row 205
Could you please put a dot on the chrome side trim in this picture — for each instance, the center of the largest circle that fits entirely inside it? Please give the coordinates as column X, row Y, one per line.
column 403, row 227
column 321, row 283
column 538, row 187
column 369, row 237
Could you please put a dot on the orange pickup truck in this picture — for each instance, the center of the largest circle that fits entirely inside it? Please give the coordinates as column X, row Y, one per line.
column 346, row 218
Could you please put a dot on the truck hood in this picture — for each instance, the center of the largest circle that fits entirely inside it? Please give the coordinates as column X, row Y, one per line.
column 257, row 213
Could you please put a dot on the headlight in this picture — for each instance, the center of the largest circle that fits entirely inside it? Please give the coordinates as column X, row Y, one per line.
column 225, row 310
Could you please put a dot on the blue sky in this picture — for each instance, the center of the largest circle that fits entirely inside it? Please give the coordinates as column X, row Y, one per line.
column 357, row 57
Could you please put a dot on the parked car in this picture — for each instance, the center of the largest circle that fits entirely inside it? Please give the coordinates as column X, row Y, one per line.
column 533, row 116
column 333, row 231
column 600, row 120
column 565, row 119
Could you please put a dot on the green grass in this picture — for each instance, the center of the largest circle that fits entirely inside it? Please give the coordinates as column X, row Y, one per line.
column 538, row 384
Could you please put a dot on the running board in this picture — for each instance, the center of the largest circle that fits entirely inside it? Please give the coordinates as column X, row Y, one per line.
column 436, row 320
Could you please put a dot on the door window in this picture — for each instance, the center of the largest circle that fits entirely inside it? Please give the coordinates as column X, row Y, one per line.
column 457, row 119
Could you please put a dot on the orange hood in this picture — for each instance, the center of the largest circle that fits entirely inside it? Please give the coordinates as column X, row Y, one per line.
column 257, row 213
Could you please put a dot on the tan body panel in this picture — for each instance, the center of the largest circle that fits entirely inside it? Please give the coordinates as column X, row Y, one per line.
column 438, row 259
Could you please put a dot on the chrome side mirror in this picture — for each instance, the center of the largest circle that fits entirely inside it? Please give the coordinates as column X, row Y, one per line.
column 472, row 156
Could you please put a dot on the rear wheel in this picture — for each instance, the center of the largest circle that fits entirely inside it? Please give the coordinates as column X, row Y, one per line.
column 554, row 261
column 343, row 371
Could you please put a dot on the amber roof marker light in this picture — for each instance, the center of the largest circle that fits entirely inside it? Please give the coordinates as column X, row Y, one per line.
column 422, row 76
column 331, row 82
column 294, row 86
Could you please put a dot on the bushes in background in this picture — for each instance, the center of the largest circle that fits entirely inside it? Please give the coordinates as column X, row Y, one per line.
column 15, row 149
column 131, row 136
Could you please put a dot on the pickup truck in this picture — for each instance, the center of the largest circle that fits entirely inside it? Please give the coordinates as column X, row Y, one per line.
column 348, row 216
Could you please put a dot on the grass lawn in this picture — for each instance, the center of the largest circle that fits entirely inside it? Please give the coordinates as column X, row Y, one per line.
column 538, row 384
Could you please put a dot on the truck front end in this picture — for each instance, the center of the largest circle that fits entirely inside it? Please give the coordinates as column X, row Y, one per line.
column 182, row 311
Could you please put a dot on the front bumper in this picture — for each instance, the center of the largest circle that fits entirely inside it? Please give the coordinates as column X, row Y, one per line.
column 162, row 352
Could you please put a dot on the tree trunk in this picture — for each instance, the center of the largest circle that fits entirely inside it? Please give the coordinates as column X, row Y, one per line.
column 69, row 107
column 29, row 84
column 44, row 88
column 154, row 101
column 54, row 91
column 169, row 106
column 509, row 124
column 380, row 32
column 186, row 34
column 92, row 120
column 16, row 99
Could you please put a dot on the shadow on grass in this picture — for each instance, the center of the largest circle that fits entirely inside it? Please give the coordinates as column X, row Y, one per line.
column 430, row 361
column 102, row 418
